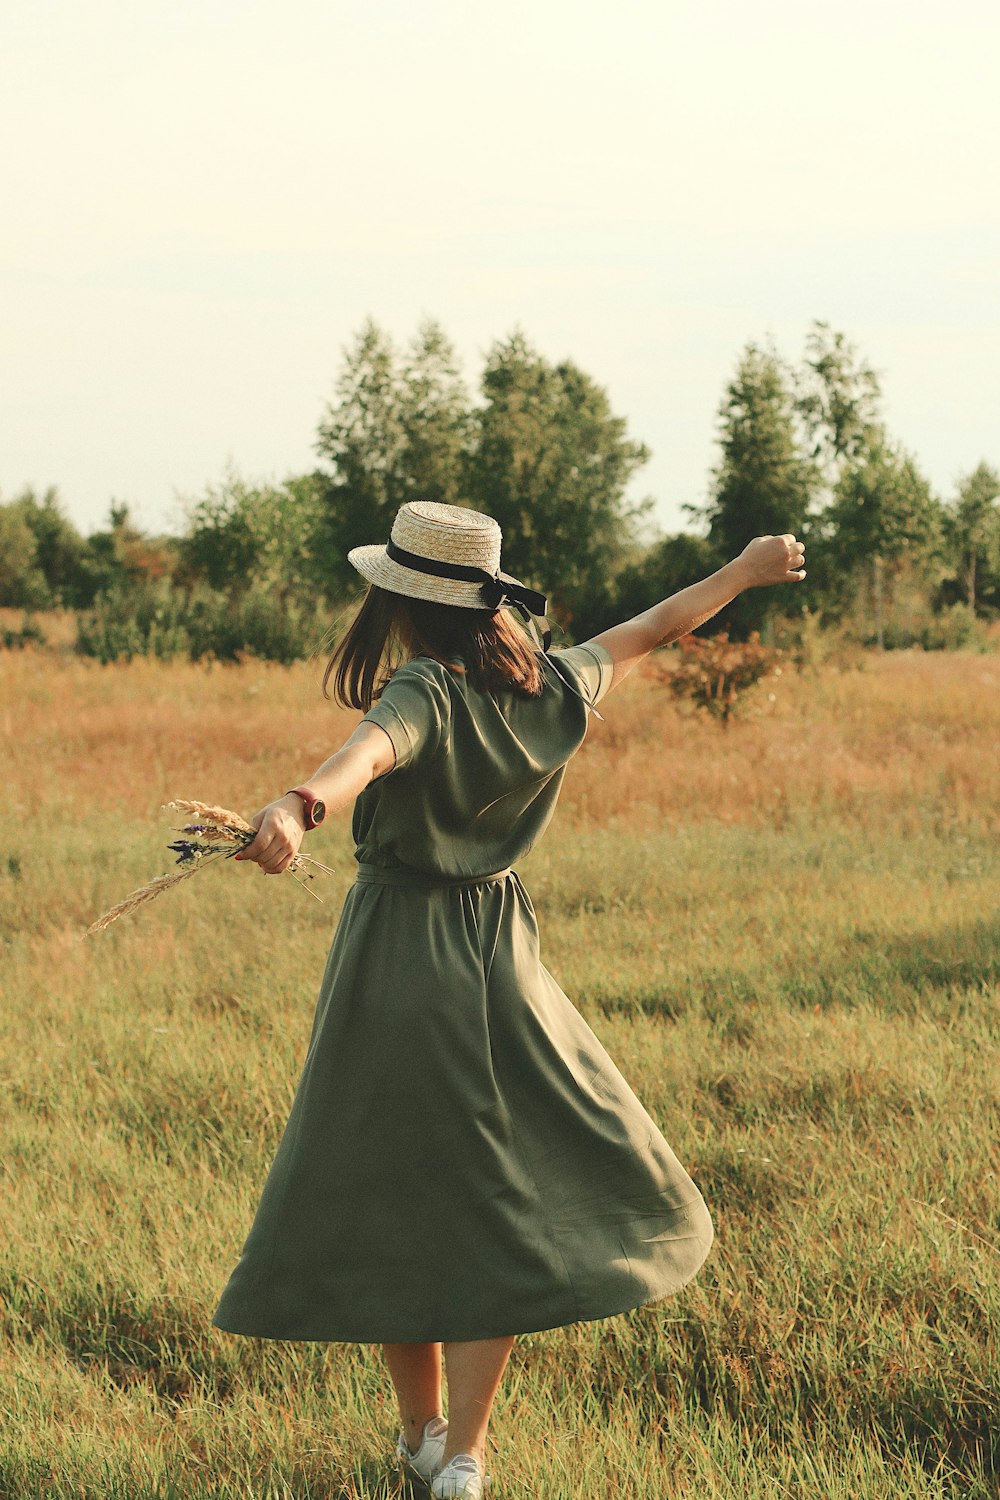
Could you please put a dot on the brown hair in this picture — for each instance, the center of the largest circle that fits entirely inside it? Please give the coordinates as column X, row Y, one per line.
column 389, row 628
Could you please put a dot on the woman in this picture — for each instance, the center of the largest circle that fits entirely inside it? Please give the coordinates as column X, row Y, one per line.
column 463, row 1161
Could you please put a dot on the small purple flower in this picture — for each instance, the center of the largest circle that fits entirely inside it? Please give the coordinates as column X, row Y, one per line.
column 188, row 851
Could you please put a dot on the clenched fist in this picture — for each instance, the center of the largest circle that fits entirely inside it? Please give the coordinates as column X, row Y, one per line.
column 773, row 559
column 280, row 830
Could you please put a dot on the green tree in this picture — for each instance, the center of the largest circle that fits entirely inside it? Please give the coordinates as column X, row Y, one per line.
column 837, row 399
column 241, row 535
column 362, row 436
column 883, row 513
column 837, row 396
column 671, row 564
column 60, row 549
column 398, row 430
column 972, row 529
column 22, row 582
column 119, row 555
column 435, row 417
column 762, row 485
column 551, row 461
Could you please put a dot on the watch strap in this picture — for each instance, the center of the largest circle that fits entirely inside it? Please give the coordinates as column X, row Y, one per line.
column 309, row 800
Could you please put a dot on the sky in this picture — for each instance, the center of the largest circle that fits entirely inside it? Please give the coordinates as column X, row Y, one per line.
column 203, row 203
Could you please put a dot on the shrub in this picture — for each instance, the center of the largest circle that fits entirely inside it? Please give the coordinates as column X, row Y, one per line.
column 29, row 633
column 145, row 619
column 256, row 622
column 715, row 673
column 957, row 628
column 157, row 619
column 813, row 641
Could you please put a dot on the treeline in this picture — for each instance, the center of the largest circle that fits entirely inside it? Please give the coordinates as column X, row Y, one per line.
column 262, row 568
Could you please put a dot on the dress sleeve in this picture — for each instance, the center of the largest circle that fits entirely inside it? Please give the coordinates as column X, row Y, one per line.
column 592, row 666
column 413, row 709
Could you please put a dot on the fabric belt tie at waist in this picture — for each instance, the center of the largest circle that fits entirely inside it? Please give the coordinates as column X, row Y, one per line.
column 381, row 875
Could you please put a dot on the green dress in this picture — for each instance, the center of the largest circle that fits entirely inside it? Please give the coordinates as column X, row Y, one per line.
column 462, row 1158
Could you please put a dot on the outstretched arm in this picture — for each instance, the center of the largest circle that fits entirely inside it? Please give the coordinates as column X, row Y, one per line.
column 767, row 559
column 280, row 825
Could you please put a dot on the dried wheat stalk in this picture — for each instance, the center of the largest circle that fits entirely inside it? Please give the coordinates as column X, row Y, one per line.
column 217, row 827
column 220, row 815
column 136, row 898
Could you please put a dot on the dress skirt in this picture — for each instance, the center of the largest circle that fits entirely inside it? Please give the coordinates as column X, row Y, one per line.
column 462, row 1159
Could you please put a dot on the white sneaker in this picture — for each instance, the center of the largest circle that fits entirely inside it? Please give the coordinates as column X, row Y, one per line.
column 427, row 1459
column 461, row 1476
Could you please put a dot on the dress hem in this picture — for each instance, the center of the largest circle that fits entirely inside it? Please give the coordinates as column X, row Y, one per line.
column 649, row 1299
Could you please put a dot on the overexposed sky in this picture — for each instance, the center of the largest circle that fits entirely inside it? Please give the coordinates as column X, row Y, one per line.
column 202, row 202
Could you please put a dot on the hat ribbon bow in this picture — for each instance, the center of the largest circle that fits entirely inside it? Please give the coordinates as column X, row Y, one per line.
column 498, row 590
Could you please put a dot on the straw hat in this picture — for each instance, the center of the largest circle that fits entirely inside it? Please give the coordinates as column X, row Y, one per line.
column 450, row 554
column 446, row 553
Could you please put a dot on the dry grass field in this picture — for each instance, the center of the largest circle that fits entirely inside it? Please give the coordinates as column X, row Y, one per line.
column 786, row 934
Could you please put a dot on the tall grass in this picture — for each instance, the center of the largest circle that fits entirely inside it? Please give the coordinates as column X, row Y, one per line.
column 785, row 934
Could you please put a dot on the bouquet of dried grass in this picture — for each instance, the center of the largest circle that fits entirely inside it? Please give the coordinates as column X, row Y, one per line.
column 220, row 835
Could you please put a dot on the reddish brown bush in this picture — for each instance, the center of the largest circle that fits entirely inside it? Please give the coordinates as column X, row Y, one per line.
column 715, row 673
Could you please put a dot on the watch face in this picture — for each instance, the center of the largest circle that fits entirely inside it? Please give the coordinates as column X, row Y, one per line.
column 318, row 811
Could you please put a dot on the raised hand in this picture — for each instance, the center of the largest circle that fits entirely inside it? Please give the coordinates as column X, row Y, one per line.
column 773, row 559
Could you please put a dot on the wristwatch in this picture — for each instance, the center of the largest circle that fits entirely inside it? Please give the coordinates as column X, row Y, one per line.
column 315, row 810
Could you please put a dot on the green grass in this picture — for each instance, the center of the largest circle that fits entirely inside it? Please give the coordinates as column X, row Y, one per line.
column 810, row 1012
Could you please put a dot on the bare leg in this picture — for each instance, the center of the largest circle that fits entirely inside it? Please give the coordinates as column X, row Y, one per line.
column 416, row 1374
column 474, row 1369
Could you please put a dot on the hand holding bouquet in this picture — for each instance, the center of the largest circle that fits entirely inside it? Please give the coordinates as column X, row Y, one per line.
column 272, row 840
column 280, row 828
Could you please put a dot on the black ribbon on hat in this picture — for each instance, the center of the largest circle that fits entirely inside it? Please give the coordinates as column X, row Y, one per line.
column 497, row 589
